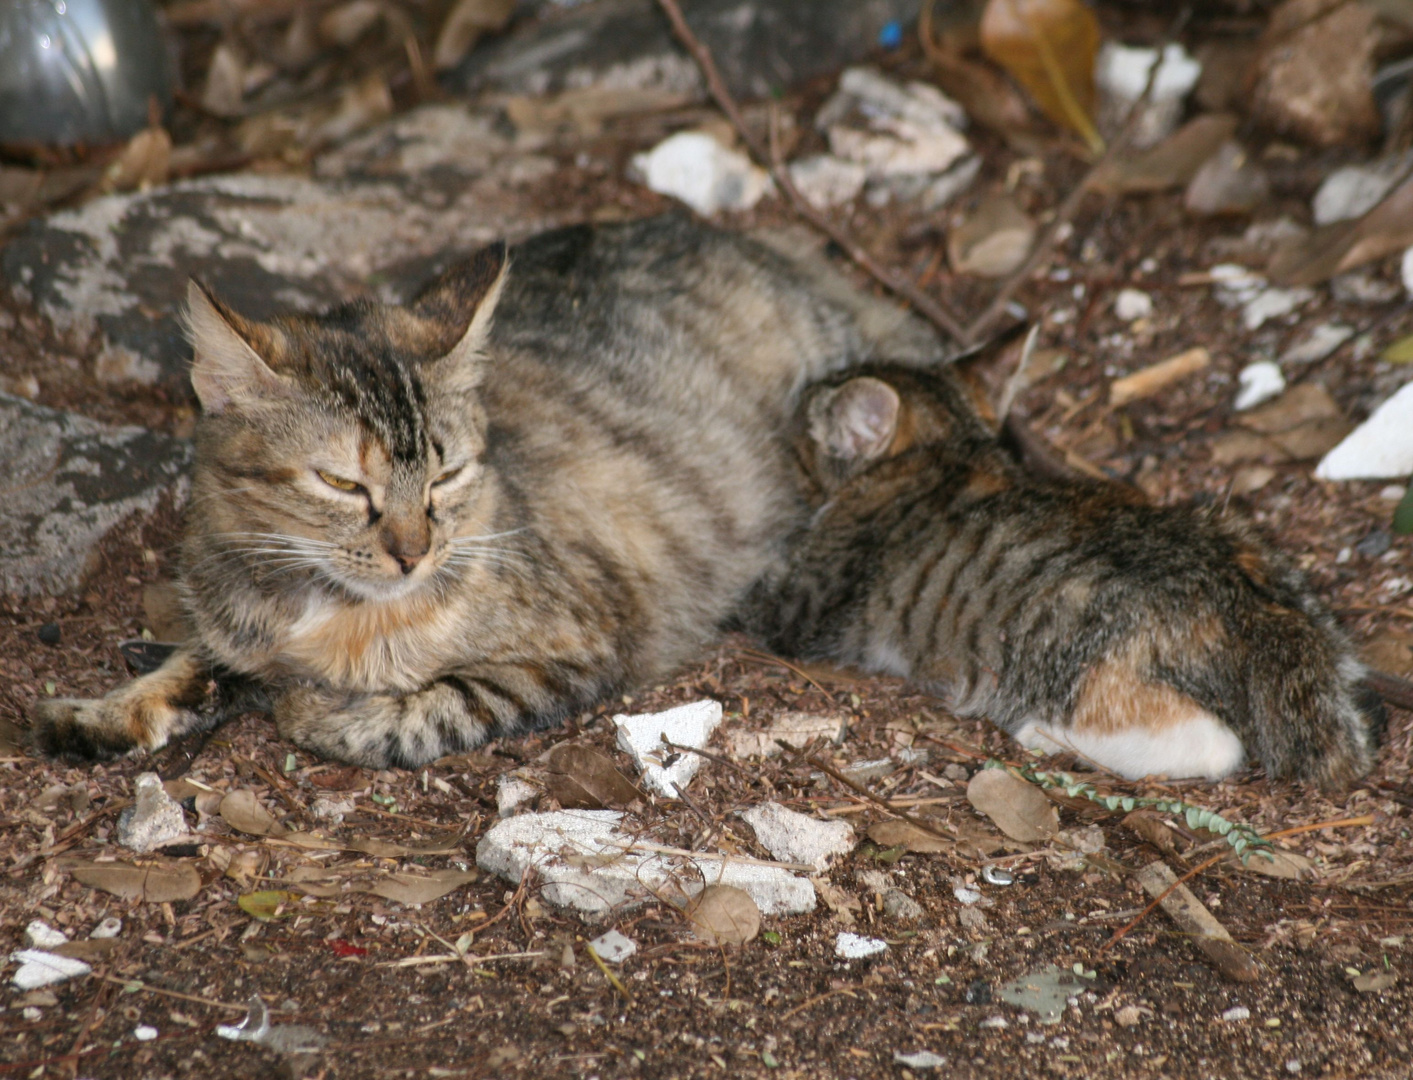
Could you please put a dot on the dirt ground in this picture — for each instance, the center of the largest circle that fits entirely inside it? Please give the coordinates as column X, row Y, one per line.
column 527, row 1000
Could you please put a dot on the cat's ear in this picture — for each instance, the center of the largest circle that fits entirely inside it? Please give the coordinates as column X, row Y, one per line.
column 226, row 370
column 856, row 420
column 465, row 300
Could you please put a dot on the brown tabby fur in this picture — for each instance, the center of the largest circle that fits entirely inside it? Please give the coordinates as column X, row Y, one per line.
column 1074, row 614
column 417, row 528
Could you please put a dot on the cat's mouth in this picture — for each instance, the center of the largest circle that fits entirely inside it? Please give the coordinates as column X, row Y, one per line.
column 387, row 588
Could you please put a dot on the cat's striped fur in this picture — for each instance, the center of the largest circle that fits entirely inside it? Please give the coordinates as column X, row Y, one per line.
column 419, row 528
column 1074, row 614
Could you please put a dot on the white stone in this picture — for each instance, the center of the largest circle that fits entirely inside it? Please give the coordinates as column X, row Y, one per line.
column 110, row 927
column 1234, row 284
column 686, row 725
column 1132, row 304
column 1259, row 382
column 919, row 1059
column 796, row 728
column 1405, row 271
column 144, row 1033
column 1354, row 190
column 584, row 862
column 890, row 129
column 1323, row 340
column 614, row 947
column 694, row 167
column 1381, row 448
column 1272, row 304
column 1393, row 493
column 965, row 895
column 332, row 809
column 155, row 818
column 39, row 968
column 40, row 935
column 825, row 180
column 994, row 1022
column 1120, row 75
column 1236, row 1012
column 797, row 838
column 856, row 946
column 511, row 793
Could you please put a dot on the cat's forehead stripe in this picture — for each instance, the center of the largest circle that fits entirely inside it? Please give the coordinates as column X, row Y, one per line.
column 386, row 397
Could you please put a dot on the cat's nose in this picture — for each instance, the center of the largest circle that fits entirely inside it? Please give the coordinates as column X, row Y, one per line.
column 408, row 562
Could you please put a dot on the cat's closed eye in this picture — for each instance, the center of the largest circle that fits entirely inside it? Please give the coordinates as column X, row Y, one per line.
column 447, row 476
column 340, row 483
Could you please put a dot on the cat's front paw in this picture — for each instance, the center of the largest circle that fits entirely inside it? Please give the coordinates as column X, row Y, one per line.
column 95, row 729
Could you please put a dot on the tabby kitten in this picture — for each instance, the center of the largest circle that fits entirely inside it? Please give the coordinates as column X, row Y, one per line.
column 1074, row 614
column 547, row 478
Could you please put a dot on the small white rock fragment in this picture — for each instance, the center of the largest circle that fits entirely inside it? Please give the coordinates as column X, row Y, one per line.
column 331, row 809
column 890, row 129
column 796, row 838
column 1121, row 74
column 1234, row 284
column 966, row 896
column 919, row 1059
column 40, row 935
column 1352, row 191
column 154, row 820
column 1323, row 340
column 144, row 1033
column 511, row 793
column 1381, row 448
column 110, row 927
column 1259, row 382
column 614, row 947
column 687, row 725
column 1393, row 493
column 31, row 1013
column 1235, row 1013
column 38, row 968
column 994, row 1022
column 1405, row 271
column 825, row 180
column 849, row 946
column 694, row 167
column 1133, row 304
column 1272, row 304
column 796, row 728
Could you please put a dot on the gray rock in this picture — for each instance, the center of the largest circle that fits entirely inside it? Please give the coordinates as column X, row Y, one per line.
column 759, row 45
column 69, row 482
column 902, row 907
column 153, row 820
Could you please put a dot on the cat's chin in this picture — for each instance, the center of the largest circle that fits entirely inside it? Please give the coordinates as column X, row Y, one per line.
column 382, row 591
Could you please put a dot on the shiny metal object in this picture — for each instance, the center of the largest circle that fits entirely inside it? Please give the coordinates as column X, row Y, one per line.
column 997, row 875
column 79, row 70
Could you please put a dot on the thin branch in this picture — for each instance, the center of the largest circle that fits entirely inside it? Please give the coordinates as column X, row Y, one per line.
column 929, row 308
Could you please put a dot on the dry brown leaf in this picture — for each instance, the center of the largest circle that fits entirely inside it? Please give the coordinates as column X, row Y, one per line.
column 723, row 914
column 143, row 163
column 343, row 778
column 1333, row 249
column 224, row 94
column 88, row 949
column 242, row 811
column 1281, row 864
column 409, row 888
column 840, row 901
column 1298, row 405
column 245, row 866
column 993, row 241
column 1390, row 651
column 1048, row 46
column 1172, row 163
column 585, row 779
column 1149, row 826
column 152, row 883
column 893, row 833
column 1020, row 810
column 347, row 23
column 465, row 25
column 1375, row 982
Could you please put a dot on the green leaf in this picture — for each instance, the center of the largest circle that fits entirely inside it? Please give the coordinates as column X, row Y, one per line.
column 1128, row 803
column 1403, row 513
column 266, row 905
column 768, row 1060
column 1400, row 352
column 771, row 937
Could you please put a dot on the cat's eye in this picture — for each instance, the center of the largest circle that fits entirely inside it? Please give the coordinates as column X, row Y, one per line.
column 447, row 476
column 339, row 482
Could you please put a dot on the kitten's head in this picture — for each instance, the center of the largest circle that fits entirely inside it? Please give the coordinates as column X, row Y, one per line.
column 344, row 447
column 878, row 412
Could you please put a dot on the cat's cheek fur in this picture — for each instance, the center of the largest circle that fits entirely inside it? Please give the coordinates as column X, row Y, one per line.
column 1198, row 745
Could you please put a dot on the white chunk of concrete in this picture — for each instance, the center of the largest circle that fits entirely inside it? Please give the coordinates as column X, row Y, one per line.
column 154, row 819
column 849, row 946
column 585, row 863
column 511, row 793
column 1323, row 340
column 694, row 167
column 1133, row 304
column 795, row 728
column 826, row 181
column 1354, row 190
column 1235, row 1013
column 1258, row 382
column 614, row 947
column 39, row 968
column 1122, row 70
column 40, row 935
column 1272, row 304
column 920, row 1059
column 797, row 838
column 686, row 725
column 110, row 927
column 892, row 129
column 1381, row 448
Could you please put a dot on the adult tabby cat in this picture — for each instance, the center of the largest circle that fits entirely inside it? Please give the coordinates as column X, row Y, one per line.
column 422, row 527
column 1074, row 614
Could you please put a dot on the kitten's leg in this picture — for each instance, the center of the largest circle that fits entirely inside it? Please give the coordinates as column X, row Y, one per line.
column 454, row 714
column 144, row 714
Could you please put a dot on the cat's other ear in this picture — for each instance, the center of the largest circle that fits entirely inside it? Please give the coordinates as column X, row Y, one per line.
column 462, row 302
column 994, row 372
column 855, row 421
column 226, row 370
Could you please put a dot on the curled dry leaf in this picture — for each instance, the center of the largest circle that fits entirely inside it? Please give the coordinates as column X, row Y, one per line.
column 1020, row 810
column 993, row 241
column 152, row 883
column 464, row 25
column 1048, row 46
column 143, row 163
column 1149, row 826
column 723, row 914
column 1332, row 249
column 889, row 834
column 408, row 888
column 582, row 778
column 840, row 901
column 243, row 812
column 1279, row 863
column 1172, row 163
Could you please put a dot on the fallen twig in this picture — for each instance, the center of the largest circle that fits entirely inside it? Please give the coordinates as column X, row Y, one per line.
column 1397, row 692
column 929, row 308
column 610, row 976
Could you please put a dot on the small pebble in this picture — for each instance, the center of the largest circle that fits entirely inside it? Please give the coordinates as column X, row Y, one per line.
column 40, row 935
column 1133, row 304
column 978, row 992
column 110, row 927
column 614, row 946
column 856, row 946
column 49, row 633
column 1392, row 493
column 1260, row 382
column 1406, row 271
column 1375, row 544
column 31, row 1013
column 965, row 895
column 994, row 1022
column 143, row 1033
column 1235, row 1013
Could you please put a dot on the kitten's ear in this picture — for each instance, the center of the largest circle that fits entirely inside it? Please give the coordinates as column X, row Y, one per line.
column 465, row 299
column 856, row 420
column 226, row 371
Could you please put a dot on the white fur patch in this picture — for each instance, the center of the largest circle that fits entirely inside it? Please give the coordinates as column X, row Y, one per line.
column 1199, row 746
column 885, row 658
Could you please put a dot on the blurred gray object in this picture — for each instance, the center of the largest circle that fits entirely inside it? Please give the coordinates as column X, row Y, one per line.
column 79, row 70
